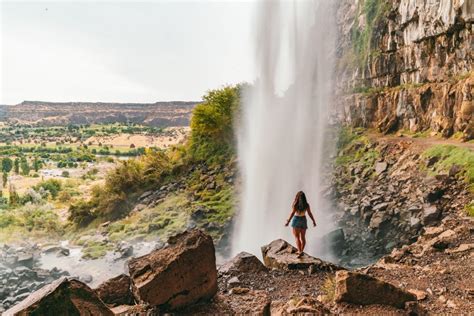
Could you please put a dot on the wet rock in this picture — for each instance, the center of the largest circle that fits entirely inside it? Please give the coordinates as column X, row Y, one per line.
column 58, row 250
column 178, row 275
column 116, row 291
column 25, row 259
column 62, row 297
column 362, row 289
column 281, row 255
column 86, row 278
column 242, row 263
column 335, row 240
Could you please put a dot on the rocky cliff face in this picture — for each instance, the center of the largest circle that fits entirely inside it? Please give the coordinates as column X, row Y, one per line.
column 407, row 64
column 163, row 114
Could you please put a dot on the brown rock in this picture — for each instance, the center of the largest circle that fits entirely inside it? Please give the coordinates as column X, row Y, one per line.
column 62, row 297
column 420, row 295
column 281, row 255
column 248, row 302
column 362, row 289
column 242, row 263
column 178, row 275
column 116, row 291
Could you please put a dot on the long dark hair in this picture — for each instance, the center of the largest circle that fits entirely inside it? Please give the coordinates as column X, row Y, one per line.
column 300, row 203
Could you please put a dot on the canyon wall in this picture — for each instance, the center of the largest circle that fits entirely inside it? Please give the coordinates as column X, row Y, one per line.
column 406, row 65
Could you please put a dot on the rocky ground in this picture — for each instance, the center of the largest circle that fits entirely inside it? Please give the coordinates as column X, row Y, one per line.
column 387, row 192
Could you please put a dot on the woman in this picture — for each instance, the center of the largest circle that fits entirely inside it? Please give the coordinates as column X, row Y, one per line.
column 299, row 223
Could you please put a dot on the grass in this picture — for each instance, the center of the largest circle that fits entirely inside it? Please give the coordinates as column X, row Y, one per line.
column 450, row 155
column 470, row 209
column 329, row 288
column 353, row 147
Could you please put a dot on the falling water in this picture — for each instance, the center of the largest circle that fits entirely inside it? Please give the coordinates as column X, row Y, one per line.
column 283, row 122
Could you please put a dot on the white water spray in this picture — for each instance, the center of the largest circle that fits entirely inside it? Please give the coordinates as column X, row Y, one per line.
column 284, row 119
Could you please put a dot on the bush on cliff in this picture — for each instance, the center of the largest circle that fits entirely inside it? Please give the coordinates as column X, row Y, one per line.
column 212, row 124
column 450, row 155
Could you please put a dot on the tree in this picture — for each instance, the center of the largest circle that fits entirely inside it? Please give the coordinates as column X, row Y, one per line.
column 36, row 164
column 24, row 166
column 17, row 165
column 7, row 165
column 212, row 123
column 4, row 179
column 14, row 197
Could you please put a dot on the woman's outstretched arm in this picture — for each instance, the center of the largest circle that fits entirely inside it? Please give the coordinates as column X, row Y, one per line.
column 293, row 210
column 311, row 215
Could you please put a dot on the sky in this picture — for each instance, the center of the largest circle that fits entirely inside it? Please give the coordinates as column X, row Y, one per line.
column 126, row 51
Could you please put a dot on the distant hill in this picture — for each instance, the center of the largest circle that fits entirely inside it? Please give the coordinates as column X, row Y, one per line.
column 163, row 114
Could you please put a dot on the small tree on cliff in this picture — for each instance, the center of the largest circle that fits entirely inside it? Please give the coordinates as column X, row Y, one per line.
column 212, row 134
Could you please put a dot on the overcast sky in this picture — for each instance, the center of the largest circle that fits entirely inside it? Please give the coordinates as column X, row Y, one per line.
column 123, row 51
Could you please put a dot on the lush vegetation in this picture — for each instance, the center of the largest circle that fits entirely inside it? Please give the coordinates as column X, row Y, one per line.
column 211, row 142
column 362, row 36
column 353, row 146
column 212, row 134
column 448, row 156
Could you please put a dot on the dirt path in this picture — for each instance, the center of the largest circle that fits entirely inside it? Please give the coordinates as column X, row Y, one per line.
column 422, row 142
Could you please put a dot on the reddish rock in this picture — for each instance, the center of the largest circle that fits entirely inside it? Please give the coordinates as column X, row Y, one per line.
column 362, row 289
column 178, row 275
column 242, row 263
column 281, row 255
column 62, row 297
column 116, row 291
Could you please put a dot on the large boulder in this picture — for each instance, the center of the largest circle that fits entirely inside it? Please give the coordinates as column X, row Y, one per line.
column 177, row 275
column 116, row 291
column 62, row 297
column 362, row 289
column 242, row 263
column 281, row 255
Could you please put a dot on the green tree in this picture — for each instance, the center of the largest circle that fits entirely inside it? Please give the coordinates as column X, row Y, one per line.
column 4, row 179
column 7, row 165
column 212, row 123
column 14, row 197
column 36, row 164
column 17, row 165
column 24, row 166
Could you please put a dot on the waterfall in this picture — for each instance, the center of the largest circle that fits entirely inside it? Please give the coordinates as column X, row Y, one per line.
column 283, row 123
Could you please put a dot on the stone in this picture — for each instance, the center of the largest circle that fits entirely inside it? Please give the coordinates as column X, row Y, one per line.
column 281, row 255
column 461, row 248
column 116, row 291
column 433, row 231
column 335, row 240
column 380, row 167
column 242, row 263
column 431, row 214
column 62, row 297
column 362, row 289
column 420, row 295
column 377, row 219
column 233, row 282
column 243, row 301
column 303, row 306
column 25, row 259
column 177, row 275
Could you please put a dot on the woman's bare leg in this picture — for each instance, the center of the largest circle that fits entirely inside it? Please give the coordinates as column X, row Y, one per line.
column 296, row 233
column 303, row 239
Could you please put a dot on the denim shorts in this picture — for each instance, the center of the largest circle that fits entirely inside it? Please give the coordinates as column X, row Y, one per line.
column 299, row 222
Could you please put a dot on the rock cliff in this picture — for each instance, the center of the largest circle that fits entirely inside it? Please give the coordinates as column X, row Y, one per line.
column 406, row 64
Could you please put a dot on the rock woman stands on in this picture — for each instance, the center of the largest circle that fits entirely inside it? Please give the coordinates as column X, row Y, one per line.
column 299, row 222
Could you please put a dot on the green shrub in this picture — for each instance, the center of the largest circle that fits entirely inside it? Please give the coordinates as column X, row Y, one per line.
column 212, row 135
column 53, row 186
column 81, row 213
column 450, row 155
